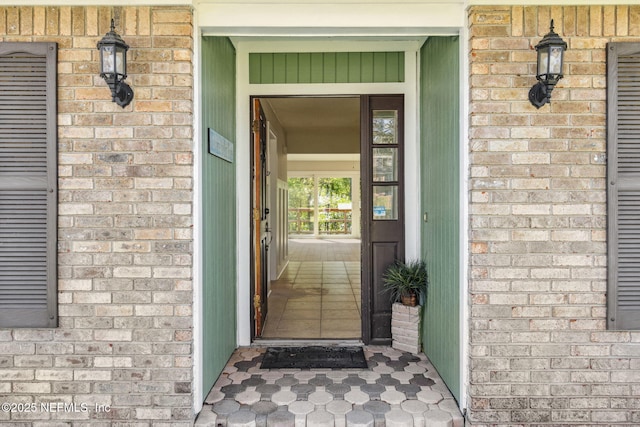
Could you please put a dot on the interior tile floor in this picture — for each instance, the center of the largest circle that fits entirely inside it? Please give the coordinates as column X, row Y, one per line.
column 398, row 389
column 315, row 299
column 318, row 294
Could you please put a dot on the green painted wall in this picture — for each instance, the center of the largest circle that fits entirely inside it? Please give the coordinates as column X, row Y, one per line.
column 440, row 122
column 219, row 208
column 326, row 67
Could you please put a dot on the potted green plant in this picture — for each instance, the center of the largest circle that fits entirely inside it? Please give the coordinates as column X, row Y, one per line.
column 406, row 281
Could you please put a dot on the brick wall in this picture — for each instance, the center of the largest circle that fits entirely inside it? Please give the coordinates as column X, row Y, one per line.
column 125, row 217
column 540, row 352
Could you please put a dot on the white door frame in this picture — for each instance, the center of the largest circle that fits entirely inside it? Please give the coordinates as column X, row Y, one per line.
column 244, row 90
column 251, row 26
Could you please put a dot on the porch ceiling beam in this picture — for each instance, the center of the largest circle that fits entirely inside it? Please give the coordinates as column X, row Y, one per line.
column 330, row 19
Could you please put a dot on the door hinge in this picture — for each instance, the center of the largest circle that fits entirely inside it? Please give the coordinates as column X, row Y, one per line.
column 255, row 126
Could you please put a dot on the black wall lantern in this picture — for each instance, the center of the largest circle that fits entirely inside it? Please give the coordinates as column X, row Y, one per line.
column 550, row 58
column 113, row 66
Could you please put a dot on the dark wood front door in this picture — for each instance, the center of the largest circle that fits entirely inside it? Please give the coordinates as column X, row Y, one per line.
column 382, row 169
column 259, row 219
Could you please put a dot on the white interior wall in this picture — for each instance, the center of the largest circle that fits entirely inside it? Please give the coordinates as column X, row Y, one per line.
column 272, row 205
column 277, row 169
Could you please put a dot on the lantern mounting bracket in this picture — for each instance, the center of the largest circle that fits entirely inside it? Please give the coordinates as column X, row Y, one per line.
column 539, row 95
column 123, row 94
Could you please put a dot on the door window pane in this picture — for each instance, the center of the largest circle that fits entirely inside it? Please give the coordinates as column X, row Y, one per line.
column 385, row 202
column 385, row 164
column 385, row 127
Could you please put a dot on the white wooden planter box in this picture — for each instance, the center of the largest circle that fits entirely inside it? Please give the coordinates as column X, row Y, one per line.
column 405, row 328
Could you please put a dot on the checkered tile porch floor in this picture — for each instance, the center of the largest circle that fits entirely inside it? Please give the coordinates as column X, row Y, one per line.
column 398, row 389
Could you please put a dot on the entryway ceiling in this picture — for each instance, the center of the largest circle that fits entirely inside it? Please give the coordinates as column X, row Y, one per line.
column 319, row 124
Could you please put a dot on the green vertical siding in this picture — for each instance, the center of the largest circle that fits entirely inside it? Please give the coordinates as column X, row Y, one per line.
column 440, row 121
column 219, row 212
column 326, row 67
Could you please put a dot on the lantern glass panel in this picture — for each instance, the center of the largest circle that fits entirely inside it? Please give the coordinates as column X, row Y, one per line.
column 107, row 53
column 120, row 61
column 543, row 61
column 555, row 60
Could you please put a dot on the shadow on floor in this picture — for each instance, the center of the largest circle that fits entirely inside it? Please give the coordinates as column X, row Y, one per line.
column 315, row 299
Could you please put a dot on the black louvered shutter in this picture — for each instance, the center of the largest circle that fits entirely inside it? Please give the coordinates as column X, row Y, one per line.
column 28, row 175
column 623, row 176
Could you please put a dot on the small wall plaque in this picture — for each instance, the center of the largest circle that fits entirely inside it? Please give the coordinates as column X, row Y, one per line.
column 220, row 146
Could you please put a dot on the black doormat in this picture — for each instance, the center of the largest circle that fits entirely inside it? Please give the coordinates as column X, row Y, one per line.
column 314, row 358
